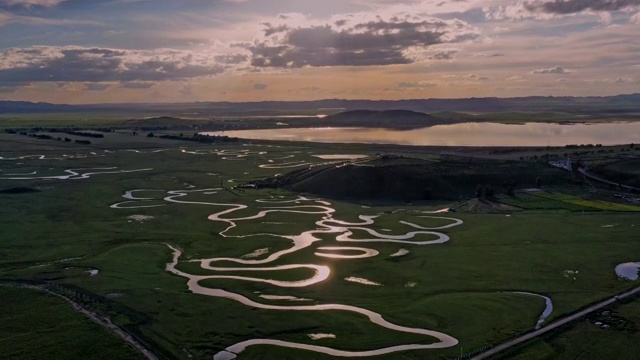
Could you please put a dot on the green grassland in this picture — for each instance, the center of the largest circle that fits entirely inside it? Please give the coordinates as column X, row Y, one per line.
column 36, row 324
column 616, row 336
column 461, row 287
column 553, row 200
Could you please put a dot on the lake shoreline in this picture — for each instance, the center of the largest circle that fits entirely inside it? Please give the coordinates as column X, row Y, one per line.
column 472, row 134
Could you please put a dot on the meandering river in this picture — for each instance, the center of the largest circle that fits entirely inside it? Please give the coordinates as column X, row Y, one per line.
column 327, row 224
column 342, row 231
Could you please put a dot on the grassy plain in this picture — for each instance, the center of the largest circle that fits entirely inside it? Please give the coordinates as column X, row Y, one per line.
column 37, row 325
column 615, row 336
column 461, row 287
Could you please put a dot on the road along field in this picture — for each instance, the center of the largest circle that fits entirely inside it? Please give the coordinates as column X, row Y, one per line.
column 162, row 240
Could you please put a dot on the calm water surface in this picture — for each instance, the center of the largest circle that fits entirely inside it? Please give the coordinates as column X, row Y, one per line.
column 465, row 134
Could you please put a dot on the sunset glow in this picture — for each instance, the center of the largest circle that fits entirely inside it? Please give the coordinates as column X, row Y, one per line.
column 71, row 51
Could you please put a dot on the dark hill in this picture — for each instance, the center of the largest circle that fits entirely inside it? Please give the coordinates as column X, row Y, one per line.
column 408, row 179
column 386, row 119
column 626, row 172
column 621, row 104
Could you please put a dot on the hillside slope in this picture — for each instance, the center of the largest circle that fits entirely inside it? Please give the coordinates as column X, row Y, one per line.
column 409, row 179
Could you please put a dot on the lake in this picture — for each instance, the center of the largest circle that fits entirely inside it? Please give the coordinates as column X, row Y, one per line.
column 464, row 134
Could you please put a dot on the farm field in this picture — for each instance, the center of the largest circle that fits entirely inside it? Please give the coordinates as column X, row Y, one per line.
column 160, row 236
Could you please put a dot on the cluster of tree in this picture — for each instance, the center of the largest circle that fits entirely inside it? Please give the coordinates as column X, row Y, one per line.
column 16, row 132
column 572, row 146
column 45, row 136
column 84, row 134
column 71, row 131
column 512, row 150
column 41, row 136
column 631, row 147
column 197, row 138
column 485, row 192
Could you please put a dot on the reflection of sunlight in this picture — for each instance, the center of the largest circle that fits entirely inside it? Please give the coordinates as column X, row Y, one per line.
column 325, row 225
column 464, row 134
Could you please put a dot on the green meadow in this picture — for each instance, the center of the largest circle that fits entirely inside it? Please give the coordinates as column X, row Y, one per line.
column 561, row 243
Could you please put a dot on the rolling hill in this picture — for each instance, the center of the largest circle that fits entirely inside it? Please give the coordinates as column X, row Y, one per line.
column 394, row 178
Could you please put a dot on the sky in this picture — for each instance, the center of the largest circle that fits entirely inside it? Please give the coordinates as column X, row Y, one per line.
column 120, row 51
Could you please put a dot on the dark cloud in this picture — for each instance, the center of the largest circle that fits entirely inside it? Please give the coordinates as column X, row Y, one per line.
column 355, row 41
column 74, row 64
column 490, row 55
column 544, row 8
column 416, row 85
column 12, row 87
column 476, row 77
column 260, row 86
column 270, row 29
column 444, row 55
column 557, row 70
column 564, row 7
column 231, row 58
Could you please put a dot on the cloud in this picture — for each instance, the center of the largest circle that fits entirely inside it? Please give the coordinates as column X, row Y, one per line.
column 557, row 70
column 425, row 6
column 96, row 87
column 622, row 80
column 186, row 91
column 136, row 85
column 490, row 55
column 360, row 39
column 31, row 3
column 8, row 89
column 7, row 18
column 12, row 87
column 79, row 64
column 260, row 86
column 416, row 85
column 447, row 54
column 232, row 58
column 468, row 77
column 476, row 77
column 563, row 7
column 544, row 9
column 515, row 79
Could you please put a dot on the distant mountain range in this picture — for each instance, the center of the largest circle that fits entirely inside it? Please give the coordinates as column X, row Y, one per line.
column 620, row 104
